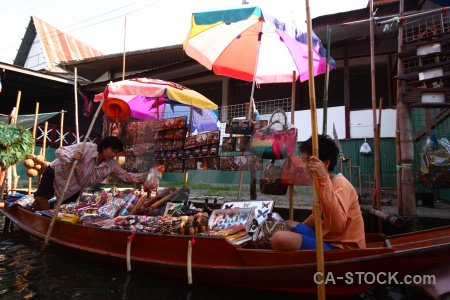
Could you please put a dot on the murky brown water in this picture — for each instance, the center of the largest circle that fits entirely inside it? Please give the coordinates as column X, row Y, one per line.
column 26, row 273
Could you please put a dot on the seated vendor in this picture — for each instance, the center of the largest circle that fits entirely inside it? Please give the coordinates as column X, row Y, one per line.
column 342, row 222
column 95, row 163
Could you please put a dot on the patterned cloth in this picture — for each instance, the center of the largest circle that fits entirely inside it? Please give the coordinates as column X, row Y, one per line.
column 86, row 172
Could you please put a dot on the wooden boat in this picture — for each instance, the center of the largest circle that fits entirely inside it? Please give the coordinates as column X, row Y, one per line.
column 217, row 261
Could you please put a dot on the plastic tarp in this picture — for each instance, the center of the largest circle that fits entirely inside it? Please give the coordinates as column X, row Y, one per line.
column 27, row 121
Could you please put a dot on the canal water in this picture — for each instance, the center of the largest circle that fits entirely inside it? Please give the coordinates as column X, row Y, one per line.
column 27, row 273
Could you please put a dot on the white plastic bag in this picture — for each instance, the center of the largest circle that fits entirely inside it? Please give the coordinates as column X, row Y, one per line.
column 365, row 148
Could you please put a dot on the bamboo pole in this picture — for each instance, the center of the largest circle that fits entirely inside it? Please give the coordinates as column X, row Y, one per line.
column 61, row 133
column 15, row 121
column 327, row 79
column 44, row 141
column 74, row 164
column 44, row 146
column 124, row 48
column 315, row 150
column 30, row 180
column 376, row 201
column 400, row 18
column 75, row 86
column 291, row 187
column 398, row 150
column 377, row 154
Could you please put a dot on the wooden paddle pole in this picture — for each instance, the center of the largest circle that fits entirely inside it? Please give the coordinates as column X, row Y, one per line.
column 74, row 164
column 315, row 151
column 291, row 187
column 34, row 144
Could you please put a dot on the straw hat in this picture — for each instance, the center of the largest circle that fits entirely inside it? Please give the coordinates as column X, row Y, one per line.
column 116, row 110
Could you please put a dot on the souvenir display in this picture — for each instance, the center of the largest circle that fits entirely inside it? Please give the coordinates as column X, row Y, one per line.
column 240, row 163
column 201, row 151
column 221, row 219
column 261, row 236
column 262, row 209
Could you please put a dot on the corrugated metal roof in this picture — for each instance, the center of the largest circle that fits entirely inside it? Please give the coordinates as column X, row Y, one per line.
column 58, row 46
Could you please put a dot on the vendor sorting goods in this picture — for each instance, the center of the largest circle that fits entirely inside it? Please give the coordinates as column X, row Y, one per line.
column 95, row 163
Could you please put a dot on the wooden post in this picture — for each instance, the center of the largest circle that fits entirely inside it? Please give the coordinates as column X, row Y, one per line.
column 376, row 200
column 291, row 187
column 124, row 47
column 44, row 142
column 61, row 132
column 75, row 86
column 30, row 180
column 327, row 79
column 315, row 150
column 14, row 168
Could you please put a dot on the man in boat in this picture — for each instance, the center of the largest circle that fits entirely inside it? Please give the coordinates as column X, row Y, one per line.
column 342, row 221
column 95, row 163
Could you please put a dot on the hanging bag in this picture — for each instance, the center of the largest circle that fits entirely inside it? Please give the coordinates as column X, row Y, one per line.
column 276, row 140
column 270, row 182
column 292, row 172
column 365, row 148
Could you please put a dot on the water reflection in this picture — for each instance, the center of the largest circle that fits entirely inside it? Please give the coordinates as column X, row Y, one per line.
column 27, row 273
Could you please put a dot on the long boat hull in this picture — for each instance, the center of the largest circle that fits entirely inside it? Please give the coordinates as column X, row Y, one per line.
column 217, row 261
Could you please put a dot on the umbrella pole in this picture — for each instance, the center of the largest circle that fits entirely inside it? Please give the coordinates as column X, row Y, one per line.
column 315, row 150
column 241, row 175
column 60, row 200
column 34, row 139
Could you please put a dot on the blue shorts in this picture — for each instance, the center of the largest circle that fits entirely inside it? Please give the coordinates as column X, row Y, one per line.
column 309, row 238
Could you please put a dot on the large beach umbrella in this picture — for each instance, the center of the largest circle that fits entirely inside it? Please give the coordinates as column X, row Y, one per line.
column 253, row 43
column 154, row 99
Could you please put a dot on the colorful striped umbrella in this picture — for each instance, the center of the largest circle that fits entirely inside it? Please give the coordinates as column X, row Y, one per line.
column 154, row 99
column 254, row 44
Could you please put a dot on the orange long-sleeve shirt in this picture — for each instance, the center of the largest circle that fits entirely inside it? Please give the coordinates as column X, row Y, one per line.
column 342, row 222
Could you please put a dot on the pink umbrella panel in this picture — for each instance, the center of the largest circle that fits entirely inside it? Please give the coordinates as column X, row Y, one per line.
column 159, row 108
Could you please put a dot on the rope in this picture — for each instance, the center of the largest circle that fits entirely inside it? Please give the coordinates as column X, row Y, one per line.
column 404, row 166
column 189, row 259
column 376, row 192
column 130, row 239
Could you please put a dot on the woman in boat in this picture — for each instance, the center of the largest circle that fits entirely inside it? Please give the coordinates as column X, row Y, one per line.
column 95, row 163
column 342, row 222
